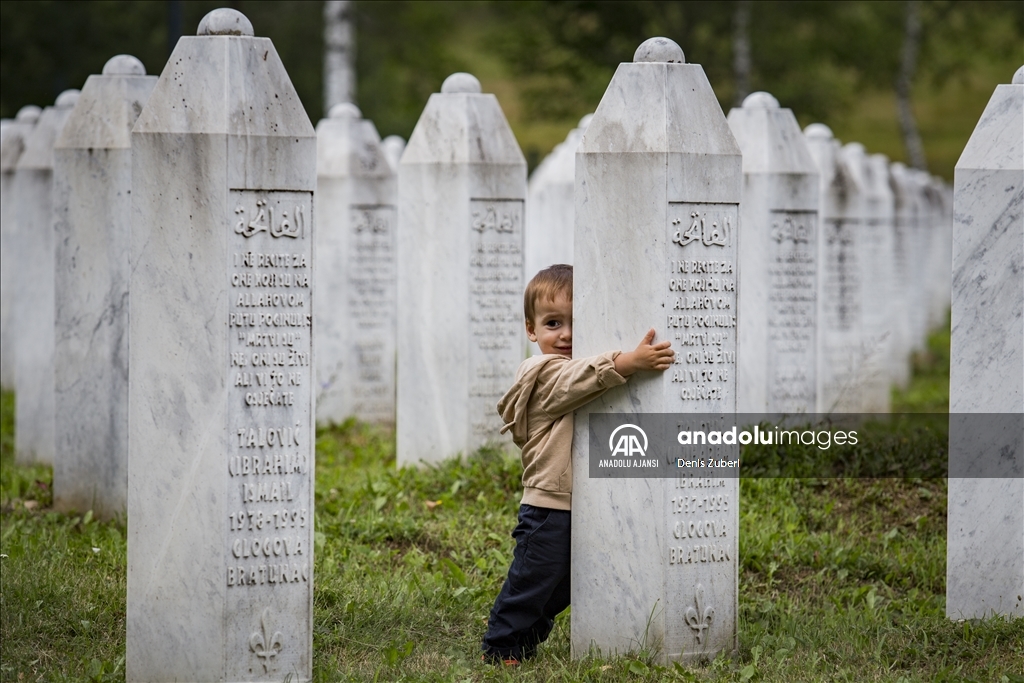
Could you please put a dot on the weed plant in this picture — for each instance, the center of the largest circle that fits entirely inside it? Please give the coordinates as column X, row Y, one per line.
column 841, row 579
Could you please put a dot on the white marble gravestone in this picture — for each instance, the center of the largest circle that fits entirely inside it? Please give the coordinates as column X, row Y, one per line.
column 393, row 146
column 658, row 183
column 33, row 306
column 221, row 424
column 898, row 361
column 839, row 276
column 549, row 211
column 357, row 196
column 461, row 186
column 985, row 525
column 778, row 256
column 92, row 176
column 12, row 144
column 905, row 251
column 876, row 257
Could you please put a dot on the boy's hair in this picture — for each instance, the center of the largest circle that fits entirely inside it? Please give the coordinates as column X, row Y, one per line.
column 547, row 285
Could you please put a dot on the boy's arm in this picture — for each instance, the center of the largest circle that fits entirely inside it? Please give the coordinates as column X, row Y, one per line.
column 565, row 386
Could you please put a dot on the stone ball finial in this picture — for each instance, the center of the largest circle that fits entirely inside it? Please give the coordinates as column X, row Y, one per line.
column 67, row 99
column 659, row 50
column 460, row 82
column 760, row 100
column 585, row 121
column 818, row 131
column 344, row 110
column 1018, row 78
column 28, row 114
column 225, row 22
column 124, row 65
column 854, row 148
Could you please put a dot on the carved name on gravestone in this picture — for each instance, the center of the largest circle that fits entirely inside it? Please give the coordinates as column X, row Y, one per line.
column 92, row 178
column 355, row 331
column 658, row 182
column 220, row 497
column 12, row 145
column 985, row 526
column 33, row 305
column 462, row 186
column 778, row 261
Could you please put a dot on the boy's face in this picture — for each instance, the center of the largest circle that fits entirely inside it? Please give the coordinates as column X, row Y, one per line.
column 552, row 328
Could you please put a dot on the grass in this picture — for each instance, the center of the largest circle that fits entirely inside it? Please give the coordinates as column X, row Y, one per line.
column 841, row 579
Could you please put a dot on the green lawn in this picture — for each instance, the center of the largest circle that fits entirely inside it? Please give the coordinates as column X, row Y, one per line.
column 840, row 579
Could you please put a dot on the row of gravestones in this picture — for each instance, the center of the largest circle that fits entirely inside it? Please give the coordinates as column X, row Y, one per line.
column 199, row 202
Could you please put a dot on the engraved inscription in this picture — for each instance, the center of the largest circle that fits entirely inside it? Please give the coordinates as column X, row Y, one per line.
column 701, row 304
column 792, row 314
column 495, row 308
column 269, row 442
column 840, row 315
column 371, row 307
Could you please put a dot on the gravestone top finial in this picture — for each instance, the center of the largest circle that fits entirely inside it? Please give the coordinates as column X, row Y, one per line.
column 818, row 131
column 585, row 121
column 225, row 22
column 659, row 50
column 1018, row 78
column 344, row 110
column 760, row 100
column 460, row 82
column 854, row 148
column 124, row 65
column 67, row 99
column 28, row 114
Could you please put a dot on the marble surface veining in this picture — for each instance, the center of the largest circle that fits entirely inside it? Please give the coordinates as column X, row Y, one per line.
column 462, row 186
column 221, row 424
column 93, row 179
column 658, row 183
column 985, row 526
column 357, row 196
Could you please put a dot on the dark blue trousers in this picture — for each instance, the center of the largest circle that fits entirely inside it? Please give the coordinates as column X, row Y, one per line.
column 537, row 586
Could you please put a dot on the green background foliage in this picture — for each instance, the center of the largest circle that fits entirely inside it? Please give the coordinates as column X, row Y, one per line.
column 549, row 62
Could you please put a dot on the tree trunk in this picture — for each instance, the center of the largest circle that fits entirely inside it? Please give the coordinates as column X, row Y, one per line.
column 741, row 50
column 339, row 54
column 908, row 63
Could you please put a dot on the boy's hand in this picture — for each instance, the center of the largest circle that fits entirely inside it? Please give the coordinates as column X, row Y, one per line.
column 646, row 356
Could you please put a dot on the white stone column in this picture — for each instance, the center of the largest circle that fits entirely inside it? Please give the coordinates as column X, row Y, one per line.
column 904, row 249
column 357, row 197
column 92, row 176
column 658, row 183
column 461, row 187
column 876, row 279
column 393, row 146
column 221, row 424
column 549, row 212
column 33, row 290
column 985, row 524
column 839, row 276
column 12, row 144
column 778, row 261
column 896, row 305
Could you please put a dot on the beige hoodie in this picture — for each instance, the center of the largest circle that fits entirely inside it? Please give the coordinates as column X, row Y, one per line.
column 538, row 409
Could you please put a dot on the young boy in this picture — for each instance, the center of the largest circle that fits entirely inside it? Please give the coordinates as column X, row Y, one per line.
column 539, row 411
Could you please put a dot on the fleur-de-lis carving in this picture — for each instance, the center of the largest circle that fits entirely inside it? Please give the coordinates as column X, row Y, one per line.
column 265, row 645
column 699, row 619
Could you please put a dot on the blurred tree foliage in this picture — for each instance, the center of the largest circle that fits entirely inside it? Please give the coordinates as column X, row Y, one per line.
column 549, row 62
column 815, row 57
